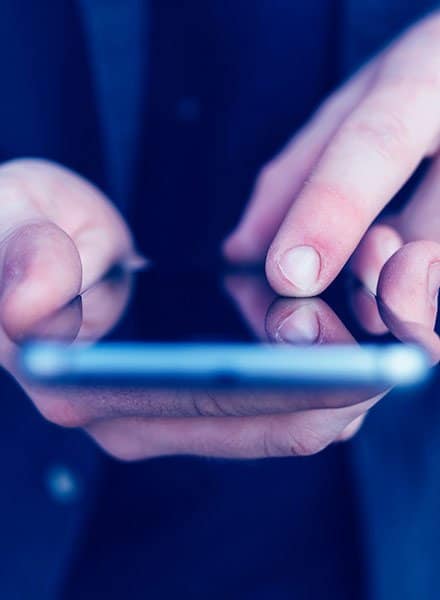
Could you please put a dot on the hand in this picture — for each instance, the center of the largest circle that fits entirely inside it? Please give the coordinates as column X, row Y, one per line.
column 314, row 202
column 58, row 235
column 138, row 423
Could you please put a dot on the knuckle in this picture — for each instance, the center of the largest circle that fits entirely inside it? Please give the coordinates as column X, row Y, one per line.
column 386, row 132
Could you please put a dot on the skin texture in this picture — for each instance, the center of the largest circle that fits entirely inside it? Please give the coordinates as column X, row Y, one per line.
column 322, row 195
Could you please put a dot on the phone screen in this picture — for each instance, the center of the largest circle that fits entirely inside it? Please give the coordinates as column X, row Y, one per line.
column 202, row 308
column 228, row 331
column 188, row 306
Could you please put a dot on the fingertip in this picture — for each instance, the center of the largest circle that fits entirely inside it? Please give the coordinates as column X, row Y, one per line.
column 409, row 281
column 295, row 272
column 305, row 320
column 239, row 247
column 412, row 332
column 231, row 247
column 351, row 430
column 301, row 326
column 366, row 311
column 41, row 273
column 407, row 294
column 377, row 246
column 280, row 314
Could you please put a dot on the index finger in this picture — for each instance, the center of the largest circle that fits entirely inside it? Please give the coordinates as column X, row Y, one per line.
column 376, row 149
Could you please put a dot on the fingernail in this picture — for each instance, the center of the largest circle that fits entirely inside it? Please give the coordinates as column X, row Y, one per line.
column 300, row 327
column 301, row 266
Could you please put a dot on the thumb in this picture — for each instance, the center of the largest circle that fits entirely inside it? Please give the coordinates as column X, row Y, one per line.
column 40, row 272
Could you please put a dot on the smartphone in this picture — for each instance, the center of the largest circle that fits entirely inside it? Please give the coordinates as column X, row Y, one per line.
column 213, row 331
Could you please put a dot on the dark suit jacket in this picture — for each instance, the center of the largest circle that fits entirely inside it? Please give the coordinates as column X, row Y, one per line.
column 249, row 106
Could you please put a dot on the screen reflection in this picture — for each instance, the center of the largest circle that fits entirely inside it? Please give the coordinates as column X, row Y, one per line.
column 133, row 423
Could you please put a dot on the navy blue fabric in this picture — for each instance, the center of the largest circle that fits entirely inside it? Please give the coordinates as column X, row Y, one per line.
column 396, row 466
column 48, row 107
column 233, row 61
column 195, row 528
column 242, row 98
column 38, row 533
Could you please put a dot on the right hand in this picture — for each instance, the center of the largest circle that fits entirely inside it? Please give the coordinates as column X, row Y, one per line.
column 58, row 235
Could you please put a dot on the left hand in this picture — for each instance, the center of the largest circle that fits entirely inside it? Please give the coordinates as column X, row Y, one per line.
column 314, row 203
